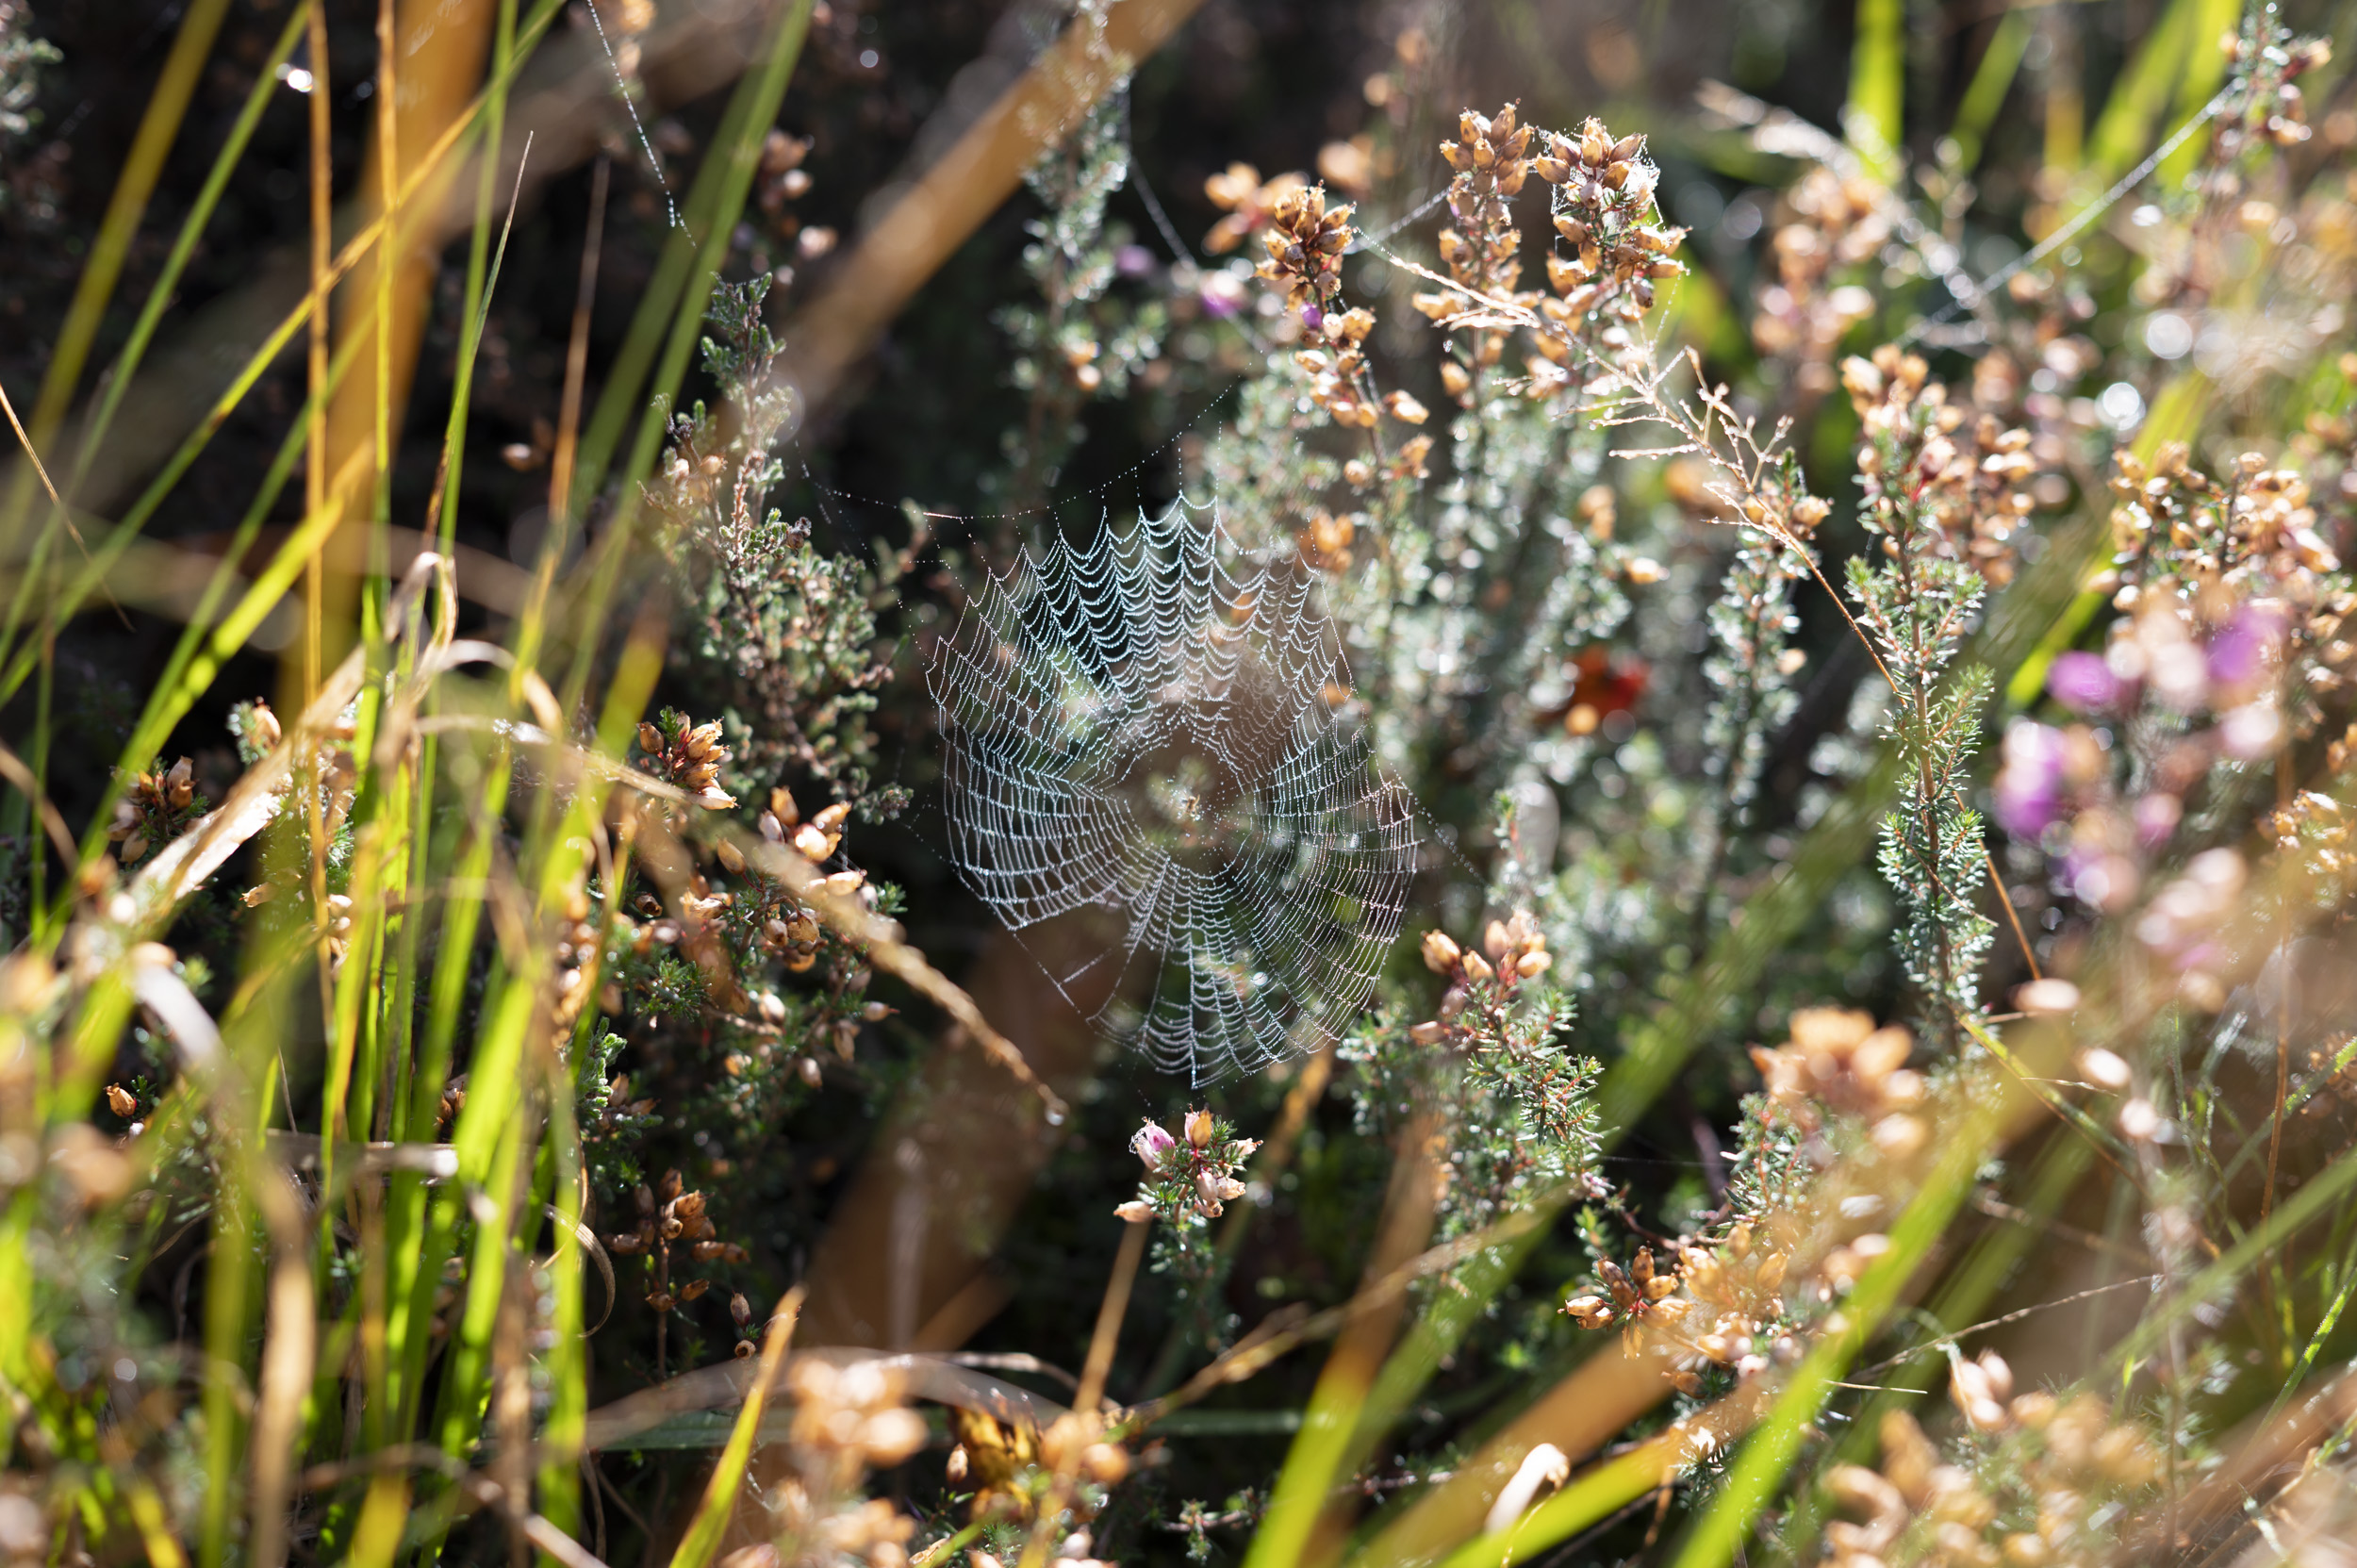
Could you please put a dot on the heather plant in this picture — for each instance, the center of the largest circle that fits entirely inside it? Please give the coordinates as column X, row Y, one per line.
column 1737, row 815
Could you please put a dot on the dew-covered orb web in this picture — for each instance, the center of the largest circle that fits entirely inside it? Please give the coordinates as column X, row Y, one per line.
column 1145, row 728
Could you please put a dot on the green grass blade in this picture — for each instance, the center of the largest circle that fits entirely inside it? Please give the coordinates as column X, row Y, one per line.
column 1874, row 117
column 1992, row 80
column 2130, row 122
column 1718, row 1536
column 720, row 1500
column 159, row 298
column 159, row 126
column 680, row 290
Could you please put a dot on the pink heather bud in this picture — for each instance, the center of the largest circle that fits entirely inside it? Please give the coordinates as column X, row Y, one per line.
column 1152, row 1144
column 1428, row 1033
column 1200, row 1128
column 1137, row 1211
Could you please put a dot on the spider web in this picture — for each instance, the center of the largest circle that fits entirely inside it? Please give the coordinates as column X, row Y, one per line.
column 1134, row 728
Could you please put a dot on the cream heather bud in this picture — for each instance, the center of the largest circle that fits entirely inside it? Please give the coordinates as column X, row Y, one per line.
column 1532, row 965
column 1136, row 1212
column 1439, row 952
column 1428, row 1033
column 1496, row 941
column 1477, row 968
column 1200, row 1128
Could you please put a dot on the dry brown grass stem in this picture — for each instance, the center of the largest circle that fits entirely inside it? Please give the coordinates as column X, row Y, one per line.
column 834, row 328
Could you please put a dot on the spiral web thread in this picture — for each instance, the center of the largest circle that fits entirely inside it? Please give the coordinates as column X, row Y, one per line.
column 1134, row 728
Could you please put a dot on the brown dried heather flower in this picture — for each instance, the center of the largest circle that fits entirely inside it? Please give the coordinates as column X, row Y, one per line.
column 1304, row 240
column 1604, row 208
column 1249, row 201
column 1836, row 1060
column 1337, row 381
column 1830, row 222
column 1481, row 246
column 1720, row 1306
column 1482, row 984
column 2042, row 1478
column 1963, row 473
column 671, row 1218
column 1488, row 158
column 688, row 756
column 154, row 809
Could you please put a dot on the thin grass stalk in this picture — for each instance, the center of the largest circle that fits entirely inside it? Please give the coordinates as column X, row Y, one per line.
column 729, row 166
column 503, row 60
column 92, row 575
column 159, row 297
column 159, row 126
column 1992, row 80
column 1296, row 1529
column 2130, row 121
column 680, row 291
column 719, row 1499
column 1874, row 114
column 1717, row 1538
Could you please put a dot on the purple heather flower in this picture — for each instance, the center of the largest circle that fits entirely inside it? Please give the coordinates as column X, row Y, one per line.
column 1133, row 261
column 1153, row 1146
column 1222, row 296
column 2239, row 654
column 1313, row 318
column 2029, row 785
column 2084, row 683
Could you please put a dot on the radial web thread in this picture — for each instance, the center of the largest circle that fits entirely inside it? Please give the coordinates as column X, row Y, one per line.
column 1139, row 730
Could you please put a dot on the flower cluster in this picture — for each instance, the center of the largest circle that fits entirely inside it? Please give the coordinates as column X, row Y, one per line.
column 1833, row 223
column 674, row 1225
column 1304, row 240
column 1605, row 211
column 1191, row 1175
column 687, row 756
column 1512, row 951
column 1249, row 203
column 849, row 1419
column 1482, row 247
column 1965, row 475
column 2177, row 531
column 1720, row 1305
column 156, row 807
column 2045, row 1481
column 1837, row 1061
column 1489, row 163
